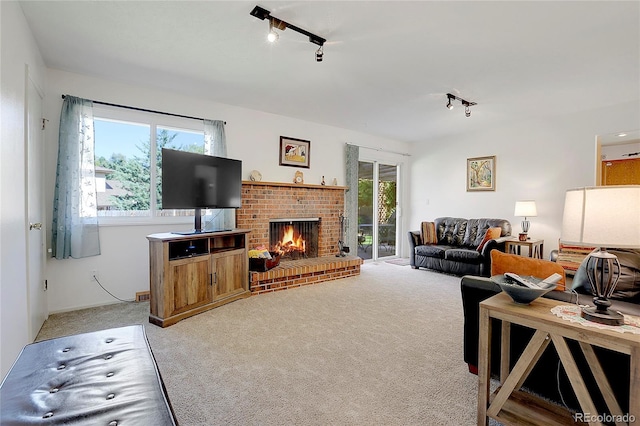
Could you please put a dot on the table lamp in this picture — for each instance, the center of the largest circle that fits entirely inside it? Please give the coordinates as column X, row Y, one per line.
column 526, row 208
column 604, row 216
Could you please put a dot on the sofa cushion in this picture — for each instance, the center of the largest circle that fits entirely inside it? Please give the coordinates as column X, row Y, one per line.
column 98, row 378
column 477, row 228
column 490, row 234
column 432, row 251
column 451, row 230
column 463, row 255
column 428, row 233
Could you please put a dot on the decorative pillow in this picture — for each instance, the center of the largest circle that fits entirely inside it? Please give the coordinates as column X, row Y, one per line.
column 526, row 266
column 428, row 232
column 491, row 234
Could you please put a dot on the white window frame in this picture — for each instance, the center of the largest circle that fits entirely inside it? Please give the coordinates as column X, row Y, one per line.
column 153, row 120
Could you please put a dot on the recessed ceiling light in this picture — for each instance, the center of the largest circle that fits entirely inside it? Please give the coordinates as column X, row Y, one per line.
column 621, row 135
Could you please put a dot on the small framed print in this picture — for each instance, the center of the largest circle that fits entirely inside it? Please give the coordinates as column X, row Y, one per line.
column 481, row 173
column 294, row 152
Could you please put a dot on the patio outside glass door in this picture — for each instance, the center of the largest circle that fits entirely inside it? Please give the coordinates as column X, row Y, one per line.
column 377, row 204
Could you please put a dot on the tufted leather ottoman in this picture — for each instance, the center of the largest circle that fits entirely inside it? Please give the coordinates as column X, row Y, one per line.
column 107, row 377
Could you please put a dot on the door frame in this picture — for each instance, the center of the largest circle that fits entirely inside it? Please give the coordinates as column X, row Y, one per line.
column 391, row 159
column 37, row 306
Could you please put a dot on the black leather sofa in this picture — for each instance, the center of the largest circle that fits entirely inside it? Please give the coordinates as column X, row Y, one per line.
column 106, row 377
column 456, row 250
column 547, row 378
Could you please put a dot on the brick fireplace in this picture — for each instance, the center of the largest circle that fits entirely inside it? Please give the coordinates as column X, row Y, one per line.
column 262, row 202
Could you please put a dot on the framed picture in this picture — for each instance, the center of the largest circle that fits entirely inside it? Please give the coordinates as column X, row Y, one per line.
column 481, row 173
column 294, row 152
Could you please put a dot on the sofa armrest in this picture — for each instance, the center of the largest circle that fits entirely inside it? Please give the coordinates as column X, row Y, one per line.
column 496, row 244
column 414, row 239
column 474, row 290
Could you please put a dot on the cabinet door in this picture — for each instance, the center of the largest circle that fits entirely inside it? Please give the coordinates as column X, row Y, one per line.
column 230, row 274
column 190, row 282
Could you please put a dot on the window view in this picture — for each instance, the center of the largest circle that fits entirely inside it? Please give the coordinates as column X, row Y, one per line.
column 377, row 195
column 126, row 171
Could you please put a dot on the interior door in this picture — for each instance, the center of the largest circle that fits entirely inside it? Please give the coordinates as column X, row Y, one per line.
column 377, row 205
column 37, row 307
column 621, row 172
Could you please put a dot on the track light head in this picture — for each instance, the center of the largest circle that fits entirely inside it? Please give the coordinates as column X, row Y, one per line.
column 319, row 54
column 467, row 111
column 449, row 103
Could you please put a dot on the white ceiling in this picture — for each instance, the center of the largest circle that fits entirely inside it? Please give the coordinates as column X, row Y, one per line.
column 387, row 64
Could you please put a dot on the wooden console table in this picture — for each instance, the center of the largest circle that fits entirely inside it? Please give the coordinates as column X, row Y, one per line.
column 190, row 274
column 510, row 405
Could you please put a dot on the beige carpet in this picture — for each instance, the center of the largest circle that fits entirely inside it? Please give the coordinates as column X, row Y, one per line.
column 384, row 348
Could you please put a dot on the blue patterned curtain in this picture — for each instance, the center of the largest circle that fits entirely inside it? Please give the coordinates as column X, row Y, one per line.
column 75, row 216
column 351, row 200
column 215, row 143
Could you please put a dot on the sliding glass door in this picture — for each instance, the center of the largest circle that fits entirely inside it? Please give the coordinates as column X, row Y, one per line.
column 377, row 205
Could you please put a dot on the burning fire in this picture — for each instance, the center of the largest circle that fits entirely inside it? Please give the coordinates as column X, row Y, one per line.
column 290, row 243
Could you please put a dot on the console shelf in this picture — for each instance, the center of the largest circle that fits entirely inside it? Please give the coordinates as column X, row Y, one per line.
column 190, row 274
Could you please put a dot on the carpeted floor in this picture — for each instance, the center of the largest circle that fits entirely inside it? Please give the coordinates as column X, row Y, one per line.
column 399, row 261
column 383, row 348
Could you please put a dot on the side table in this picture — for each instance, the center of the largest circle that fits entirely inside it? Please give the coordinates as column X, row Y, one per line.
column 536, row 247
column 512, row 406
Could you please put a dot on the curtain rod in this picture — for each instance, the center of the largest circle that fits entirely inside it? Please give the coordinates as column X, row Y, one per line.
column 381, row 149
column 145, row 110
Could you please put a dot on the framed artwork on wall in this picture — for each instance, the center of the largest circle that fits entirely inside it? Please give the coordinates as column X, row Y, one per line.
column 481, row 173
column 294, row 152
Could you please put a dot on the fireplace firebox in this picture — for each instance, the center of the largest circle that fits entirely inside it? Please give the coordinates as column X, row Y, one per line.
column 294, row 238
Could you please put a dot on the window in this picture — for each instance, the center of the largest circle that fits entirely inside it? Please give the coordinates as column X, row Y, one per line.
column 126, row 170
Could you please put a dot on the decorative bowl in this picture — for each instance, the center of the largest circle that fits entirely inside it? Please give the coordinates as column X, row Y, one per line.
column 519, row 293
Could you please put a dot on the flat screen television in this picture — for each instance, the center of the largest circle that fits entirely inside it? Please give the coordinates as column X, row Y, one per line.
column 197, row 181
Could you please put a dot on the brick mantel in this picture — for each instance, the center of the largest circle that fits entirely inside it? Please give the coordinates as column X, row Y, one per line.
column 262, row 201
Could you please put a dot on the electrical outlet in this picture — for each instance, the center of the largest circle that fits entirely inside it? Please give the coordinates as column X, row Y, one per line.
column 93, row 275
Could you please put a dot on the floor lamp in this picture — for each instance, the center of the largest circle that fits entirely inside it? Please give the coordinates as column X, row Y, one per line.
column 604, row 216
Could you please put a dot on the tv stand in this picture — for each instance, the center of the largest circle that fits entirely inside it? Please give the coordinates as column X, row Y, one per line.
column 190, row 274
column 196, row 232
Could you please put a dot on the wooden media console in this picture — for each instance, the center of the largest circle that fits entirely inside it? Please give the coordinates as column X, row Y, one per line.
column 190, row 274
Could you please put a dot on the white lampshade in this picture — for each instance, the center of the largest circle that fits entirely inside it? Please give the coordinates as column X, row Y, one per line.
column 603, row 216
column 525, row 208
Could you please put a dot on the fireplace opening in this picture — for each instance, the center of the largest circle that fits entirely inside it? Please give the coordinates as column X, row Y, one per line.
column 294, row 238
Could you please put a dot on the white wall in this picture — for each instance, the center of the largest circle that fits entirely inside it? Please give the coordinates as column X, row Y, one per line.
column 537, row 159
column 620, row 151
column 18, row 49
column 252, row 137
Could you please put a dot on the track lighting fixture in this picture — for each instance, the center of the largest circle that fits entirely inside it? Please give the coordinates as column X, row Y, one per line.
column 466, row 104
column 450, row 97
column 275, row 23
